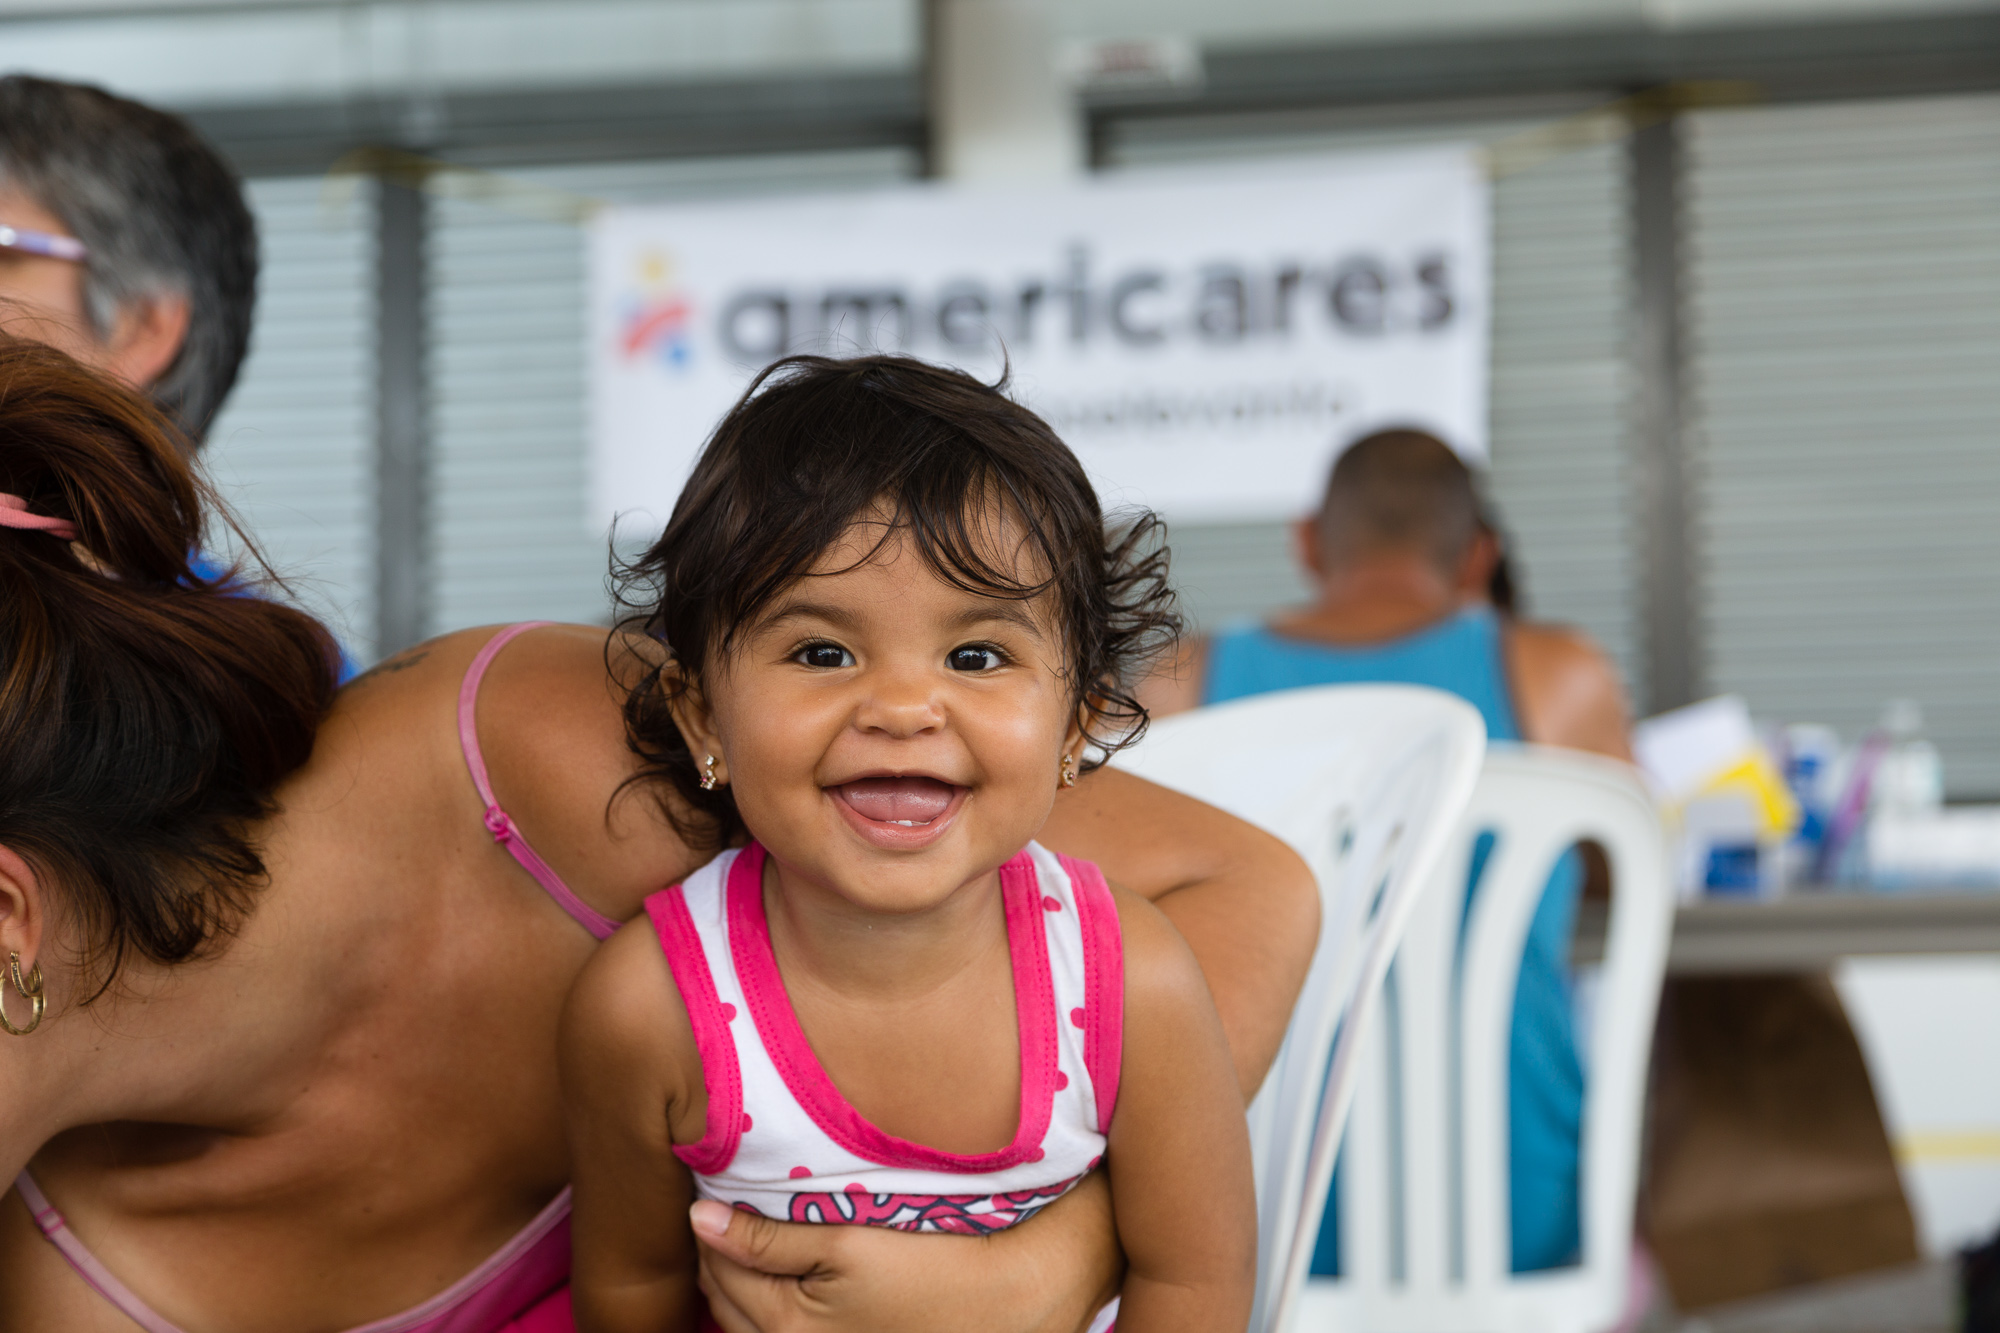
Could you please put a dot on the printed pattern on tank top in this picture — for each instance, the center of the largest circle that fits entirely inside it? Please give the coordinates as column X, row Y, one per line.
column 780, row 1140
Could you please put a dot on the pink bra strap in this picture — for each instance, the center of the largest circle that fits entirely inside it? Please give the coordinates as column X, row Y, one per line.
column 497, row 823
column 84, row 1262
column 539, row 1248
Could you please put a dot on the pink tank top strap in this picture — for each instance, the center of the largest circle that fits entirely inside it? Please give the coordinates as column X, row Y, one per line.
column 84, row 1262
column 1103, row 983
column 516, row 1278
column 497, row 823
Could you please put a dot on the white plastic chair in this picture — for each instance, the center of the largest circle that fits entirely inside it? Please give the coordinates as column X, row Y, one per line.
column 1424, row 1190
column 1366, row 782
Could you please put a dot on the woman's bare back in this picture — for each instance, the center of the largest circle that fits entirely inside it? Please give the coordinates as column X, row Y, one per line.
column 411, row 1125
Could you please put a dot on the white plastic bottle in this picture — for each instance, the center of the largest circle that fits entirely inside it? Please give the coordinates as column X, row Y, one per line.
column 1910, row 778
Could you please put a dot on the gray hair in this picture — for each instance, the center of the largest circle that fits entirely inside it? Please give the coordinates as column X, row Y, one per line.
column 161, row 214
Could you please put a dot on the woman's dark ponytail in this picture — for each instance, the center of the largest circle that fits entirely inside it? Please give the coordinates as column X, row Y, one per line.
column 146, row 713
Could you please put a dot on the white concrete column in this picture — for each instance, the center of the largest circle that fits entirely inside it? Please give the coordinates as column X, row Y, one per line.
column 1000, row 110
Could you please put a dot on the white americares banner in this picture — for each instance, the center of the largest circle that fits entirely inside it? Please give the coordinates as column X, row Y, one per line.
column 1206, row 340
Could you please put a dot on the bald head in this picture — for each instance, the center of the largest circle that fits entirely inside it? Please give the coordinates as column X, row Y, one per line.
column 1398, row 490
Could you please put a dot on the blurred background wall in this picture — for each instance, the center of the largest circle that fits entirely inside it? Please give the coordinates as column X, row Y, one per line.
column 1747, row 278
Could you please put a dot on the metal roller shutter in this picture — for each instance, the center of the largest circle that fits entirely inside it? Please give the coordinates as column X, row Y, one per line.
column 292, row 450
column 1561, row 384
column 511, row 540
column 1559, row 433
column 1843, row 307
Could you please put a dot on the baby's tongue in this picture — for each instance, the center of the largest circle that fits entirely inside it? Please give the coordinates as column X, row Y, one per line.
column 897, row 800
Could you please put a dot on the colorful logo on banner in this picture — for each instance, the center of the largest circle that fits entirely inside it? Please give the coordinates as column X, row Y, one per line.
column 654, row 322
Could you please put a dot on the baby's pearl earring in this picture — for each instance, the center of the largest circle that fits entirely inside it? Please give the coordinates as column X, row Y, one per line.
column 708, row 772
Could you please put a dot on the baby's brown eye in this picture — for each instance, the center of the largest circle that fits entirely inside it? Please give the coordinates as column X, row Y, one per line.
column 973, row 659
column 828, row 655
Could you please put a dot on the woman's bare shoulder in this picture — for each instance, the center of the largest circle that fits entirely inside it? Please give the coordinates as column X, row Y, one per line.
column 550, row 715
column 549, row 723
column 537, row 693
column 551, row 726
column 1567, row 689
column 390, row 732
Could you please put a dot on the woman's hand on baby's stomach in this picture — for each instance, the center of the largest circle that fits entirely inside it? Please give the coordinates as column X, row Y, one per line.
column 1048, row 1275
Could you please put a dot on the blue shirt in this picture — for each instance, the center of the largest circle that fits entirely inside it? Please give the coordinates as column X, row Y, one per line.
column 1463, row 655
column 204, row 566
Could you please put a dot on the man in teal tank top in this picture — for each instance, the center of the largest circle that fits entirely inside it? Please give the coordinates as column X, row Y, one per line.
column 1403, row 561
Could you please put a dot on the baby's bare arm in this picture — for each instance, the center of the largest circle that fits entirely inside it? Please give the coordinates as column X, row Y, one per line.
column 627, row 1061
column 1179, row 1159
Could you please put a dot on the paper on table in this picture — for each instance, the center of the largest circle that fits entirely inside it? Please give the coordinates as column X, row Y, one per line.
column 1682, row 750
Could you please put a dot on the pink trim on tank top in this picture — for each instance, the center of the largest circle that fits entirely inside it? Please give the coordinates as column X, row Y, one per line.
column 497, row 821
column 722, row 1128
column 551, row 1314
column 1103, row 984
column 539, row 1253
column 785, row 1040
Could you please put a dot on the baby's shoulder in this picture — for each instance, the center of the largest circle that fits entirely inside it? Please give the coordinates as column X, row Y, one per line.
column 1160, row 969
column 625, row 1016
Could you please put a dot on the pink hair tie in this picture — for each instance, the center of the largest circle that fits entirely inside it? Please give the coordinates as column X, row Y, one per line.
column 14, row 514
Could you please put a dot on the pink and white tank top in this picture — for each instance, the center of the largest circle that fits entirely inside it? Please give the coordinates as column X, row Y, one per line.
column 782, row 1141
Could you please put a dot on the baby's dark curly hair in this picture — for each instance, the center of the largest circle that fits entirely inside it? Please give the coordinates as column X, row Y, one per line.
column 816, row 444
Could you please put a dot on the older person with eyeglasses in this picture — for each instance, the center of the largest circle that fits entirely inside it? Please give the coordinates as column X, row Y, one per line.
column 125, row 241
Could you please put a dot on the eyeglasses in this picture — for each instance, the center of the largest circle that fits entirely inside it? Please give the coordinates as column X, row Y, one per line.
column 44, row 243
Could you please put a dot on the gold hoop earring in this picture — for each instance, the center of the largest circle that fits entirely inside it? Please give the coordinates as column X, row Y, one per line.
column 1068, row 771
column 31, row 990
column 708, row 772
